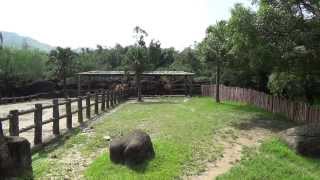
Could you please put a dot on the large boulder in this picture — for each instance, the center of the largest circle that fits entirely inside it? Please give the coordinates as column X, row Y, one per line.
column 134, row 148
column 303, row 139
column 15, row 157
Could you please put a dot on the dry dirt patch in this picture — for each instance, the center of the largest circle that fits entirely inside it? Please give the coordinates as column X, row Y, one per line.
column 248, row 136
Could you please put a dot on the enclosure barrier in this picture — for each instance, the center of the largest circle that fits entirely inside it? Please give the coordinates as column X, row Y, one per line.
column 297, row 111
column 107, row 99
column 6, row 100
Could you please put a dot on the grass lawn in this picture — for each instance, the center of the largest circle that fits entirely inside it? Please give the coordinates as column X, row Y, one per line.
column 274, row 160
column 182, row 132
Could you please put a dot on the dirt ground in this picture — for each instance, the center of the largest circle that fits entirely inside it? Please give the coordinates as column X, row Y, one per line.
column 28, row 119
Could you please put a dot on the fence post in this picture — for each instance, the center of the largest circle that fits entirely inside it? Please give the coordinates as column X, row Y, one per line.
column 108, row 99
column 38, row 124
column 111, row 98
column 88, row 109
column 96, row 103
column 69, row 114
column 103, row 99
column 55, row 117
column 80, row 114
column 307, row 113
column 1, row 130
column 115, row 97
column 14, row 123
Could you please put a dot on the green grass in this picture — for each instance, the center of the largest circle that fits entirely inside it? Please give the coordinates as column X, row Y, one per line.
column 183, row 135
column 182, row 132
column 274, row 160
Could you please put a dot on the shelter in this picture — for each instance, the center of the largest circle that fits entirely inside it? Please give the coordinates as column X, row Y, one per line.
column 187, row 76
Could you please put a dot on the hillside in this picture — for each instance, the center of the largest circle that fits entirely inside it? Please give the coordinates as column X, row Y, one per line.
column 14, row 40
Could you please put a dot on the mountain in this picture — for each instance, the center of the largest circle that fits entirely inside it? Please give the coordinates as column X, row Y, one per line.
column 14, row 40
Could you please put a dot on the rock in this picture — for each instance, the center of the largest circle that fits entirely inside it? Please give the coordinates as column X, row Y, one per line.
column 5, row 158
column 107, row 138
column 303, row 139
column 134, row 148
column 19, row 160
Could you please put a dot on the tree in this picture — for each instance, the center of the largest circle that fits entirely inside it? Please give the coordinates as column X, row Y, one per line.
column 154, row 54
column 62, row 62
column 1, row 40
column 16, row 71
column 137, row 58
column 187, row 60
column 215, row 49
column 292, row 28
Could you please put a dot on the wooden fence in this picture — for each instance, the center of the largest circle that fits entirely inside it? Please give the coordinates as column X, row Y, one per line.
column 297, row 111
column 6, row 100
column 107, row 100
column 51, row 95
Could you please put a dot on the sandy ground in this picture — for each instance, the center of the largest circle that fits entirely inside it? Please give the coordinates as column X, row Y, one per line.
column 28, row 119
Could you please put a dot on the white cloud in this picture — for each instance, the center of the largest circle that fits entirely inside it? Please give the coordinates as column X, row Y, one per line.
column 82, row 23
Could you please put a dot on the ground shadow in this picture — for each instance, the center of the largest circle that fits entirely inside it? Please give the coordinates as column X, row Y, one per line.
column 159, row 102
column 139, row 168
column 261, row 119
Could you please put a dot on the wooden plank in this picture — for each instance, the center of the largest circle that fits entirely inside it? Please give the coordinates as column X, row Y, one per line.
column 14, row 123
column 88, row 107
column 69, row 114
column 80, row 108
column 96, row 104
column 38, row 124
column 55, row 117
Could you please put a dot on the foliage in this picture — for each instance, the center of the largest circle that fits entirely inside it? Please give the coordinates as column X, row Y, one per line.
column 61, row 64
column 284, row 84
column 278, row 40
column 215, row 49
column 137, row 57
column 19, row 67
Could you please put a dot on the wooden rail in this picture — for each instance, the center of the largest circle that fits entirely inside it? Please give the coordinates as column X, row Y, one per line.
column 99, row 98
column 6, row 100
column 297, row 111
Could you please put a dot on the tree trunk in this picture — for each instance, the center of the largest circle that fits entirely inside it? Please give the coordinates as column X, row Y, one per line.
column 218, row 83
column 64, row 86
column 138, row 87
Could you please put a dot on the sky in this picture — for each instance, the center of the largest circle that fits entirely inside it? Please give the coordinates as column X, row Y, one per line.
column 86, row 23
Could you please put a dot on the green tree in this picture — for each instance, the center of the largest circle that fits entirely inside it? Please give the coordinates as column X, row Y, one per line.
column 215, row 49
column 1, row 40
column 62, row 64
column 154, row 54
column 292, row 28
column 137, row 57
column 15, row 68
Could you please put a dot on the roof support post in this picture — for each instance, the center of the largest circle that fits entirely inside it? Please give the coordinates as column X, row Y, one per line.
column 79, row 85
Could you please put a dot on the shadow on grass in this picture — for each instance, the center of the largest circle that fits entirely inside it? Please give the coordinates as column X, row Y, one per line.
column 261, row 119
column 159, row 102
column 139, row 168
column 60, row 141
